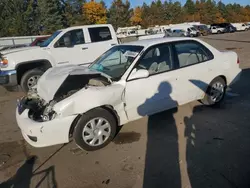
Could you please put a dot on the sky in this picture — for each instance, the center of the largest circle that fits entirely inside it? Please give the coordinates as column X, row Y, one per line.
column 135, row 3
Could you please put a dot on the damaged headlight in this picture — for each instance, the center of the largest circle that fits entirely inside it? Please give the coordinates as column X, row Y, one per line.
column 39, row 110
column 49, row 113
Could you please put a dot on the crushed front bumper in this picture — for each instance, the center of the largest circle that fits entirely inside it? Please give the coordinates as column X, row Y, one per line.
column 8, row 77
column 42, row 134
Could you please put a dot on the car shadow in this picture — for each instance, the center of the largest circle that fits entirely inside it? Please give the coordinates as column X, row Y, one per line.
column 24, row 175
column 162, row 157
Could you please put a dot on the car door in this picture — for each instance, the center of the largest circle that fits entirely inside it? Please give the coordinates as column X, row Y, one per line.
column 70, row 48
column 195, row 69
column 157, row 92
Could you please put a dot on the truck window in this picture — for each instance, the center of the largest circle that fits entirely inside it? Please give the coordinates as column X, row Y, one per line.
column 98, row 34
column 71, row 38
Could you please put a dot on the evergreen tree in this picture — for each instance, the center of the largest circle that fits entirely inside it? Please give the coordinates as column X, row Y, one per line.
column 119, row 13
column 50, row 15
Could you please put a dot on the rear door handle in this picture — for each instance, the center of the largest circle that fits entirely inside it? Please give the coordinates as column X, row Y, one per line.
column 85, row 48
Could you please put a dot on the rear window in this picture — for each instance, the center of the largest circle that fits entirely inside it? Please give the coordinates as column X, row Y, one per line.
column 98, row 34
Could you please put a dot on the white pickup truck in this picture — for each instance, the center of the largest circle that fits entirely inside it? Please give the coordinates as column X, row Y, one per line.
column 74, row 45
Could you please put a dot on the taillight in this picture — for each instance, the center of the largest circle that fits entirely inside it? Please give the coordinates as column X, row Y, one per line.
column 238, row 60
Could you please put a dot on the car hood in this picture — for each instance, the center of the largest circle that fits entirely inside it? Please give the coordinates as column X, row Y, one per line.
column 52, row 79
column 10, row 51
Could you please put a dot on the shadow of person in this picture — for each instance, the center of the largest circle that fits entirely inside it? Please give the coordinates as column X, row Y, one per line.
column 162, row 157
column 23, row 175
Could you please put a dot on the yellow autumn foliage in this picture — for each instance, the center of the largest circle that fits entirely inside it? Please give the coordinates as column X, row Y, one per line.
column 136, row 19
column 94, row 12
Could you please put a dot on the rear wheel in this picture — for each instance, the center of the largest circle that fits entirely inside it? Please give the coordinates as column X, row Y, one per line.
column 30, row 78
column 215, row 92
column 95, row 129
column 219, row 32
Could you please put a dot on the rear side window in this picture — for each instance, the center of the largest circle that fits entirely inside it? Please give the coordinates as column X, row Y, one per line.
column 98, row 34
column 191, row 52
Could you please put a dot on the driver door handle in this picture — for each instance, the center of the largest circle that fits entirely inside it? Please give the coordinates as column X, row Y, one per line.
column 85, row 48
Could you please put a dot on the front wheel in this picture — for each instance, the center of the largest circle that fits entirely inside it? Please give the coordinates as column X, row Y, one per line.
column 215, row 92
column 30, row 78
column 95, row 129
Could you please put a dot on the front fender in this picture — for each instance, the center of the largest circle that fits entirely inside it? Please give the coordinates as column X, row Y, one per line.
column 93, row 97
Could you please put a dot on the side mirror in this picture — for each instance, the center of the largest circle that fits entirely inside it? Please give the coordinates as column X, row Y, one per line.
column 136, row 74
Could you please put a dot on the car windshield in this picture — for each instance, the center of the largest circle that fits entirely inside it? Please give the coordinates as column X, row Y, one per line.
column 50, row 39
column 115, row 61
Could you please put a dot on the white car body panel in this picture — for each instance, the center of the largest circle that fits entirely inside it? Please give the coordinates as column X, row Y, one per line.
column 130, row 99
column 56, row 76
column 55, row 131
column 215, row 29
column 240, row 26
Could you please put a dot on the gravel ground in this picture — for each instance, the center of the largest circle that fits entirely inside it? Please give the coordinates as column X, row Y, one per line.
column 192, row 146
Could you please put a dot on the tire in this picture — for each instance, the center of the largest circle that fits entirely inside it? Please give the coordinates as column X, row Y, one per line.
column 208, row 98
column 84, row 129
column 27, row 77
column 219, row 32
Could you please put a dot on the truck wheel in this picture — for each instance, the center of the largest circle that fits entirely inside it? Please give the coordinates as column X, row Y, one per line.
column 30, row 78
column 95, row 129
column 215, row 92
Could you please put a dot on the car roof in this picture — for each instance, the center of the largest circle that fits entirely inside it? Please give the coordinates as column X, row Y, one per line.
column 87, row 26
column 154, row 41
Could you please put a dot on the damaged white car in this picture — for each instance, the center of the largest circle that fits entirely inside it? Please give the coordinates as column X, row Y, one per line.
column 127, row 82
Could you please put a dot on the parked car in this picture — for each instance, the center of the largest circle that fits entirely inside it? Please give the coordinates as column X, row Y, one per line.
column 127, row 82
column 240, row 26
column 189, row 30
column 203, row 29
column 217, row 30
column 74, row 45
column 176, row 33
column 39, row 40
column 228, row 27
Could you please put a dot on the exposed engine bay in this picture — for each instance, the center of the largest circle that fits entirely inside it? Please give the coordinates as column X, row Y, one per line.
column 41, row 111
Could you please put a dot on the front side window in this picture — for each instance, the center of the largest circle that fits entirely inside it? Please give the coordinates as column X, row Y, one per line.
column 116, row 61
column 190, row 52
column 156, row 60
column 98, row 34
column 71, row 38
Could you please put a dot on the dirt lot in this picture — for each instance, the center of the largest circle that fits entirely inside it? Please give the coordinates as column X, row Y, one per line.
column 192, row 146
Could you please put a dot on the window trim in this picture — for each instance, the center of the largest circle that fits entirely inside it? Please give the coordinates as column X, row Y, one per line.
column 174, row 58
column 98, row 28
column 146, row 51
column 55, row 46
column 211, row 55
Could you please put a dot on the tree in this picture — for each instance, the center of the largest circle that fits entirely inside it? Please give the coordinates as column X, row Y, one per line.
column 136, row 19
column 173, row 12
column 95, row 13
column 50, row 16
column 189, row 7
column 31, row 26
column 119, row 14
column 73, row 12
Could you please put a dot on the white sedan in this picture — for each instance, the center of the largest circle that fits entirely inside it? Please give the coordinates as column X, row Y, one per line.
column 125, row 83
